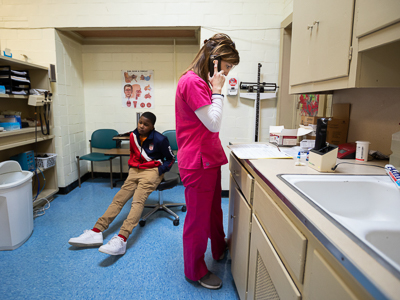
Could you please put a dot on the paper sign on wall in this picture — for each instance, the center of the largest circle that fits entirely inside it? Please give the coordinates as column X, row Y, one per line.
column 138, row 88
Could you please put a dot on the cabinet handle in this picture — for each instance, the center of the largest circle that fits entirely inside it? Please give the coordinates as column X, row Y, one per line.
column 232, row 217
column 316, row 23
column 310, row 27
column 235, row 173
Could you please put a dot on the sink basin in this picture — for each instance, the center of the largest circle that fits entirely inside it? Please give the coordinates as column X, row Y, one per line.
column 359, row 197
column 387, row 241
column 366, row 206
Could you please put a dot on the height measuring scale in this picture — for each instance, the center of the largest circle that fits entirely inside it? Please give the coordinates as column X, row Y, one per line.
column 261, row 87
column 257, row 105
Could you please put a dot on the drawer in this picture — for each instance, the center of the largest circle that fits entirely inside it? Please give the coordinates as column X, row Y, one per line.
column 291, row 244
column 243, row 179
column 268, row 277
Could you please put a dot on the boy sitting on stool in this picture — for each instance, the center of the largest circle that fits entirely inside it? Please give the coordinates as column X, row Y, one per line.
column 150, row 158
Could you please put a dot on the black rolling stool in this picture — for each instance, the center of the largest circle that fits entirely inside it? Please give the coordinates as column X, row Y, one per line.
column 170, row 181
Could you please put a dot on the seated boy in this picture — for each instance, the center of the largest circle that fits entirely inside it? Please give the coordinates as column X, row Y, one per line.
column 150, row 158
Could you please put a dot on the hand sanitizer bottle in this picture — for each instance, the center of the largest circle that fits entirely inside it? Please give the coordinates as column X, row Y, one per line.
column 298, row 160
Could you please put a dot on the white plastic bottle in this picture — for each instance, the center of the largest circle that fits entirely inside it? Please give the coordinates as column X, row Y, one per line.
column 395, row 156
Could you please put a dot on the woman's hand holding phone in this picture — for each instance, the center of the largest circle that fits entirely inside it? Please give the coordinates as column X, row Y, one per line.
column 217, row 80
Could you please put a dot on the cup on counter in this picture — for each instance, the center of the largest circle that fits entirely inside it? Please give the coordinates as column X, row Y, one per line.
column 362, row 150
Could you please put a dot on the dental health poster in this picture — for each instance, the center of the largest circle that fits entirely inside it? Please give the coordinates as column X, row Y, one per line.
column 138, row 89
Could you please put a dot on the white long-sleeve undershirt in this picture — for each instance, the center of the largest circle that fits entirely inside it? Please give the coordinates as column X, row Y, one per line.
column 211, row 115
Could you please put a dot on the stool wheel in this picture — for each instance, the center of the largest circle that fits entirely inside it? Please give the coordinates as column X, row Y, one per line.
column 176, row 222
column 142, row 223
column 183, row 208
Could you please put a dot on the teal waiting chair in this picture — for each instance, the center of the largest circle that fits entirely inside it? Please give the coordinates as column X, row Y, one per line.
column 101, row 139
column 171, row 135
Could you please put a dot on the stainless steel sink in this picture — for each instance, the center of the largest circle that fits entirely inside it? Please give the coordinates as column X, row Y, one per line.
column 366, row 206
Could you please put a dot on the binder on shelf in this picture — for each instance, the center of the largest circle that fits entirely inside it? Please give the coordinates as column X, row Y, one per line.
column 15, row 82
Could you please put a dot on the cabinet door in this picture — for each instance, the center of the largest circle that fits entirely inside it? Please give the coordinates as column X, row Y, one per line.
column 321, row 52
column 303, row 16
column 372, row 15
column 332, row 39
column 322, row 282
column 287, row 239
column 268, row 278
column 240, row 239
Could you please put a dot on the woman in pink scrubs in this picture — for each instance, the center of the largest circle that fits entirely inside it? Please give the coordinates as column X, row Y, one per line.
column 198, row 109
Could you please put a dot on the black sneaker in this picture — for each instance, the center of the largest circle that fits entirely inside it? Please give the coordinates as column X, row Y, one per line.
column 210, row 281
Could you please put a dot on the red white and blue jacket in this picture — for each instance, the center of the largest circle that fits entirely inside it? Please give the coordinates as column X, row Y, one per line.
column 155, row 152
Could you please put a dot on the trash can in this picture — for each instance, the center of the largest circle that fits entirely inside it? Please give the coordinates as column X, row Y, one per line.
column 16, row 207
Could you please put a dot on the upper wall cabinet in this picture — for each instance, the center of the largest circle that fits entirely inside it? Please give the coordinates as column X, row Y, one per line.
column 321, row 40
column 374, row 15
column 335, row 45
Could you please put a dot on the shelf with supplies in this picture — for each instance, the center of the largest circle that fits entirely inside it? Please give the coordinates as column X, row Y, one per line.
column 25, row 140
column 14, row 96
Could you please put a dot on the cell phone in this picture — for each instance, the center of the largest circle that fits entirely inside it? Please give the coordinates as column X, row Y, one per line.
column 211, row 66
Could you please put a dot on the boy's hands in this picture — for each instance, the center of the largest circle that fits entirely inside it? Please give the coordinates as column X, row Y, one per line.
column 218, row 79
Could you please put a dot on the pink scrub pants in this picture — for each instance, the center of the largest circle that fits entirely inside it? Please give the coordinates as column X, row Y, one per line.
column 203, row 219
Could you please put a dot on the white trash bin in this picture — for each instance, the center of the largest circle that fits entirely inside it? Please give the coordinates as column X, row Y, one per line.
column 16, row 206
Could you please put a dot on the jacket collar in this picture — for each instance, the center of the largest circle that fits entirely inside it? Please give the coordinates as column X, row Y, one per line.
column 150, row 137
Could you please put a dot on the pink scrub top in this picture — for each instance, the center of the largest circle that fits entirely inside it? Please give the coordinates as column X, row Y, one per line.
column 198, row 147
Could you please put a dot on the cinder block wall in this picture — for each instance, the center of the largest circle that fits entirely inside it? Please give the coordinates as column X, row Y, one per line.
column 69, row 109
column 102, row 77
column 29, row 28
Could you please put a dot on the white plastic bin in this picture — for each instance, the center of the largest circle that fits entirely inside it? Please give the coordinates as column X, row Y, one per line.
column 16, row 207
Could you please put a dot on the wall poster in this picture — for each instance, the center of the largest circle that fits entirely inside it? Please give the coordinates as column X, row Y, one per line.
column 138, row 89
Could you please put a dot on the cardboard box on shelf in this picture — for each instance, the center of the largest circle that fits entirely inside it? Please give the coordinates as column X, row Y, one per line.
column 286, row 137
column 338, row 126
column 306, row 120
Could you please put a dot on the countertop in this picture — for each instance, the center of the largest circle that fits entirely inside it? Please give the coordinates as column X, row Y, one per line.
column 358, row 261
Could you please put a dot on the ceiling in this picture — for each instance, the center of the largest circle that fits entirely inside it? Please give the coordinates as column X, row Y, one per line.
column 139, row 36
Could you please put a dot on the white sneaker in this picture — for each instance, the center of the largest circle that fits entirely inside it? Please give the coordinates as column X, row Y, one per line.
column 116, row 246
column 88, row 238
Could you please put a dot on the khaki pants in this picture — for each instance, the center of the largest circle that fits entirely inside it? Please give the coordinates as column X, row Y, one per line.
column 139, row 184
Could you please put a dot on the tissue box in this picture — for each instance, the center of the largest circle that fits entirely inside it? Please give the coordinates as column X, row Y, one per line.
column 286, row 137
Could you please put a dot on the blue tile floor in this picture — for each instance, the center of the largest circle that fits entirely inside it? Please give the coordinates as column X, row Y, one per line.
column 47, row 267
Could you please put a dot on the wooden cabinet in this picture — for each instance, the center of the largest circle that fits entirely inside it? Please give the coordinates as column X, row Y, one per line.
column 286, row 238
column 322, row 282
column 239, row 224
column 344, row 44
column 31, row 138
column 372, row 15
column 239, row 240
column 321, row 40
column 268, row 277
column 274, row 255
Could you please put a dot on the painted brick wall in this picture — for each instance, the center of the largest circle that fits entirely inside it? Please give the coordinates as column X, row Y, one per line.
column 252, row 24
column 69, row 110
column 102, row 76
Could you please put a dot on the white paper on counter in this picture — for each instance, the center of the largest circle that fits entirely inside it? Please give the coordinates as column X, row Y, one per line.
column 257, row 151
